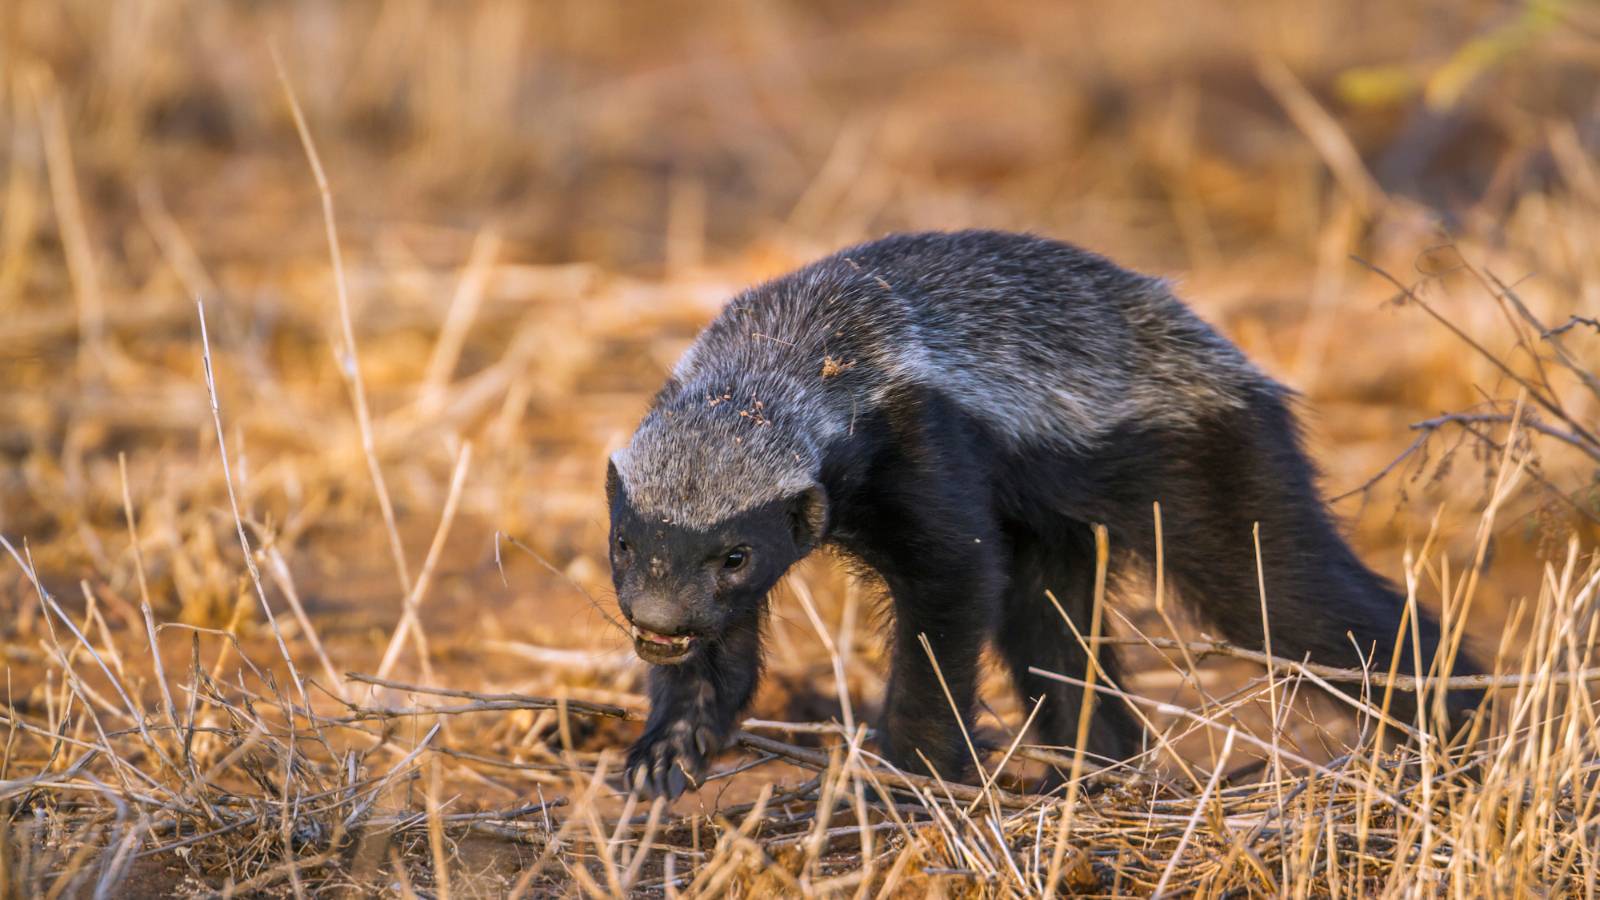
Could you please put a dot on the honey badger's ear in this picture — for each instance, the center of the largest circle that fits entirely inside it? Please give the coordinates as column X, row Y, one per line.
column 613, row 481
column 808, row 516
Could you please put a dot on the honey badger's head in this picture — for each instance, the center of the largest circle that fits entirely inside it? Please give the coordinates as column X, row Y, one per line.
column 710, row 505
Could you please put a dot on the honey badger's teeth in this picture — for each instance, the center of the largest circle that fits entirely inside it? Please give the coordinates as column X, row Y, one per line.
column 677, row 642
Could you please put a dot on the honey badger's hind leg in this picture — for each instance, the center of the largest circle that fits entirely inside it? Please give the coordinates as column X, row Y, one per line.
column 1237, row 468
column 1060, row 559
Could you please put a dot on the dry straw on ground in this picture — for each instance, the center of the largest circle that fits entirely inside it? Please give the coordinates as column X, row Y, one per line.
column 308, row 368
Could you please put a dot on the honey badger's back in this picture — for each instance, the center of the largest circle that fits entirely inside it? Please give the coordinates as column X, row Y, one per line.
column 1041, row 341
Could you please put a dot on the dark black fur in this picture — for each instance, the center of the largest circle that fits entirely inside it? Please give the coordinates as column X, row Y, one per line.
column 968, row 529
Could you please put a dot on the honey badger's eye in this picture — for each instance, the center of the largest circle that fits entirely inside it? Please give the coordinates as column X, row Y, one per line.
column 736, row 558
column 622, row 544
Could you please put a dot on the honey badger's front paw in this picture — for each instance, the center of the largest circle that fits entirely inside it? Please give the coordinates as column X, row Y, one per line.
column 670, row 757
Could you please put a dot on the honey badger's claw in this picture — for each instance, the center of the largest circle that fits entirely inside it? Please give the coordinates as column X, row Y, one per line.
column 665, row 763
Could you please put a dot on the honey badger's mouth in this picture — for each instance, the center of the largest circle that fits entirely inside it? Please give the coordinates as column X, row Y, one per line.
column 661, row 649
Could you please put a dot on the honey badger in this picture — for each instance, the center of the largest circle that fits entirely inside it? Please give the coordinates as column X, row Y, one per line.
column 955, row 411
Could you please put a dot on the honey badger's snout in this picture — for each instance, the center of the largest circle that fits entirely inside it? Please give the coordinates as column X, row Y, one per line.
column 661, row 628
column 659, row 612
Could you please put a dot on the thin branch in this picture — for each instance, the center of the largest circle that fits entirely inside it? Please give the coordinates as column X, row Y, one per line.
column 485, row 702
column 1548, row 403
column 1203, row 649
column 1571, row 323
column 233, row 502
column 349, row 360
column 1592, row 451
column 818, row 761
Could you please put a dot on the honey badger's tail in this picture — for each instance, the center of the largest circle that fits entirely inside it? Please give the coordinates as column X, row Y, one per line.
column 1239, row 468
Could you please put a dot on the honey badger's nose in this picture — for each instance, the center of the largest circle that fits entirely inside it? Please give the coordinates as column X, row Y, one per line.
column 658, row 614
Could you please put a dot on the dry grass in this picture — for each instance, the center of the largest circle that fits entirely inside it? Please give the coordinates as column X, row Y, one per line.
column 303, row 592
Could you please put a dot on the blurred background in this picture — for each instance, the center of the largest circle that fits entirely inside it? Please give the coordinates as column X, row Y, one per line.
column 539, row 204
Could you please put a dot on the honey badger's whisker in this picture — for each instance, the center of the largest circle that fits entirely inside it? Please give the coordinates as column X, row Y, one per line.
column 538, row 557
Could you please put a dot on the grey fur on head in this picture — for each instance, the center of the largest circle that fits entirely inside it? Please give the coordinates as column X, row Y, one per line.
column 1045, row 343
column 703, row 456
